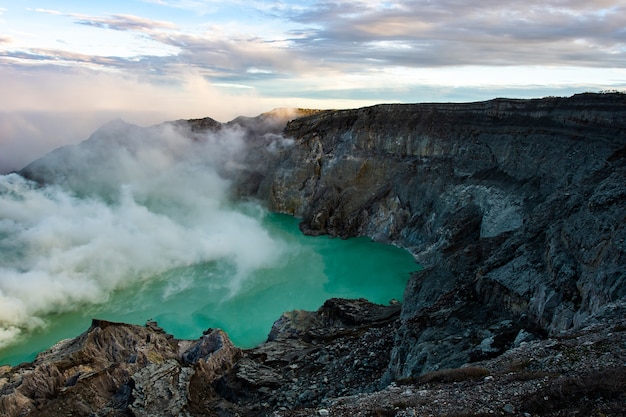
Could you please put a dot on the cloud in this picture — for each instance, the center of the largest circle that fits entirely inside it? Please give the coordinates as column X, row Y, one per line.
column 198, row 6
column 351, row 37
column 115, row 21
column 222, row 55
column 216, row 53
column 453, row 33
column 61, row 57
column 124, row 22
column 47, row 11
column 70, row 88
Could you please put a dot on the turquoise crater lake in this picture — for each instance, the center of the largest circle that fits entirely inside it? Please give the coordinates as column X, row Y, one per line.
column 187, row 300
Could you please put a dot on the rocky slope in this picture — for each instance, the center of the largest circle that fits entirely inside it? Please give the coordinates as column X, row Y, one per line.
column 515, row 207
column 327, row 362
column 517, row 211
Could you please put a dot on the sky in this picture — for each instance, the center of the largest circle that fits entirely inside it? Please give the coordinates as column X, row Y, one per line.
column 68, row 66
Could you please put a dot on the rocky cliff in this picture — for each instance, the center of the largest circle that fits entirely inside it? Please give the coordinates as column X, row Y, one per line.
column 516, row 210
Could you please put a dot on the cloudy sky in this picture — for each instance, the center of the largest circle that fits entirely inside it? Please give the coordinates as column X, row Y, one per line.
column 147, row 60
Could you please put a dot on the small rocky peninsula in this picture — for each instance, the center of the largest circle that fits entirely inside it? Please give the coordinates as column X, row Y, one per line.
column 516, row 209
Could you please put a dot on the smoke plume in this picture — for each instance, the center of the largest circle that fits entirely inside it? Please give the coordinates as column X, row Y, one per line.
column 123, row 207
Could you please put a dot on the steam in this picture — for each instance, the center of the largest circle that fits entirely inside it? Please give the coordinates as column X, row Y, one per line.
column 27, row 135
column 123, row 207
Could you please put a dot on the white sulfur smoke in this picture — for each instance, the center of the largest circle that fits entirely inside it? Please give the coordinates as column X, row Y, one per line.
column 134, row 204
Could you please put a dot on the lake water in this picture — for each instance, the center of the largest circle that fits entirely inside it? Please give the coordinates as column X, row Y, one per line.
column 187, row 300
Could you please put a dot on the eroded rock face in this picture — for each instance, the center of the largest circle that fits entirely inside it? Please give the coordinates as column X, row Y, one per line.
column 115, row 369
column 515, row 207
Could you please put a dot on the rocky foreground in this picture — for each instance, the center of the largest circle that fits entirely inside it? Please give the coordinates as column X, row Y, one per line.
column 327, row 362
column 517, row 211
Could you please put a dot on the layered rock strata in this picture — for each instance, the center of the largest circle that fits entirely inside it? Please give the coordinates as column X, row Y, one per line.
column 516, row 209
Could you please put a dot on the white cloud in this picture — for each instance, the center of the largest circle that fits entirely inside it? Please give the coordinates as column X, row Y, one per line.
column 517, row 76
column 230, row 85
column 124, row 22
column 47, row 11
column 200, row 7
column 341, row 37
column 448, row 33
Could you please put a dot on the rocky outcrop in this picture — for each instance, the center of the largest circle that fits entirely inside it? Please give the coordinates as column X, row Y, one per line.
column 116, row 369
column 578, row 372
column 113, row 369
column 326, row 362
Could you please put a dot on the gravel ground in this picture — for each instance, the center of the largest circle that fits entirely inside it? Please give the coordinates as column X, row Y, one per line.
column 578, row 373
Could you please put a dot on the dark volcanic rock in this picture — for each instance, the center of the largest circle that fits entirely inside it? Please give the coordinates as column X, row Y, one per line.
column 515, row 207
column 579, row 372
column 310, row 357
